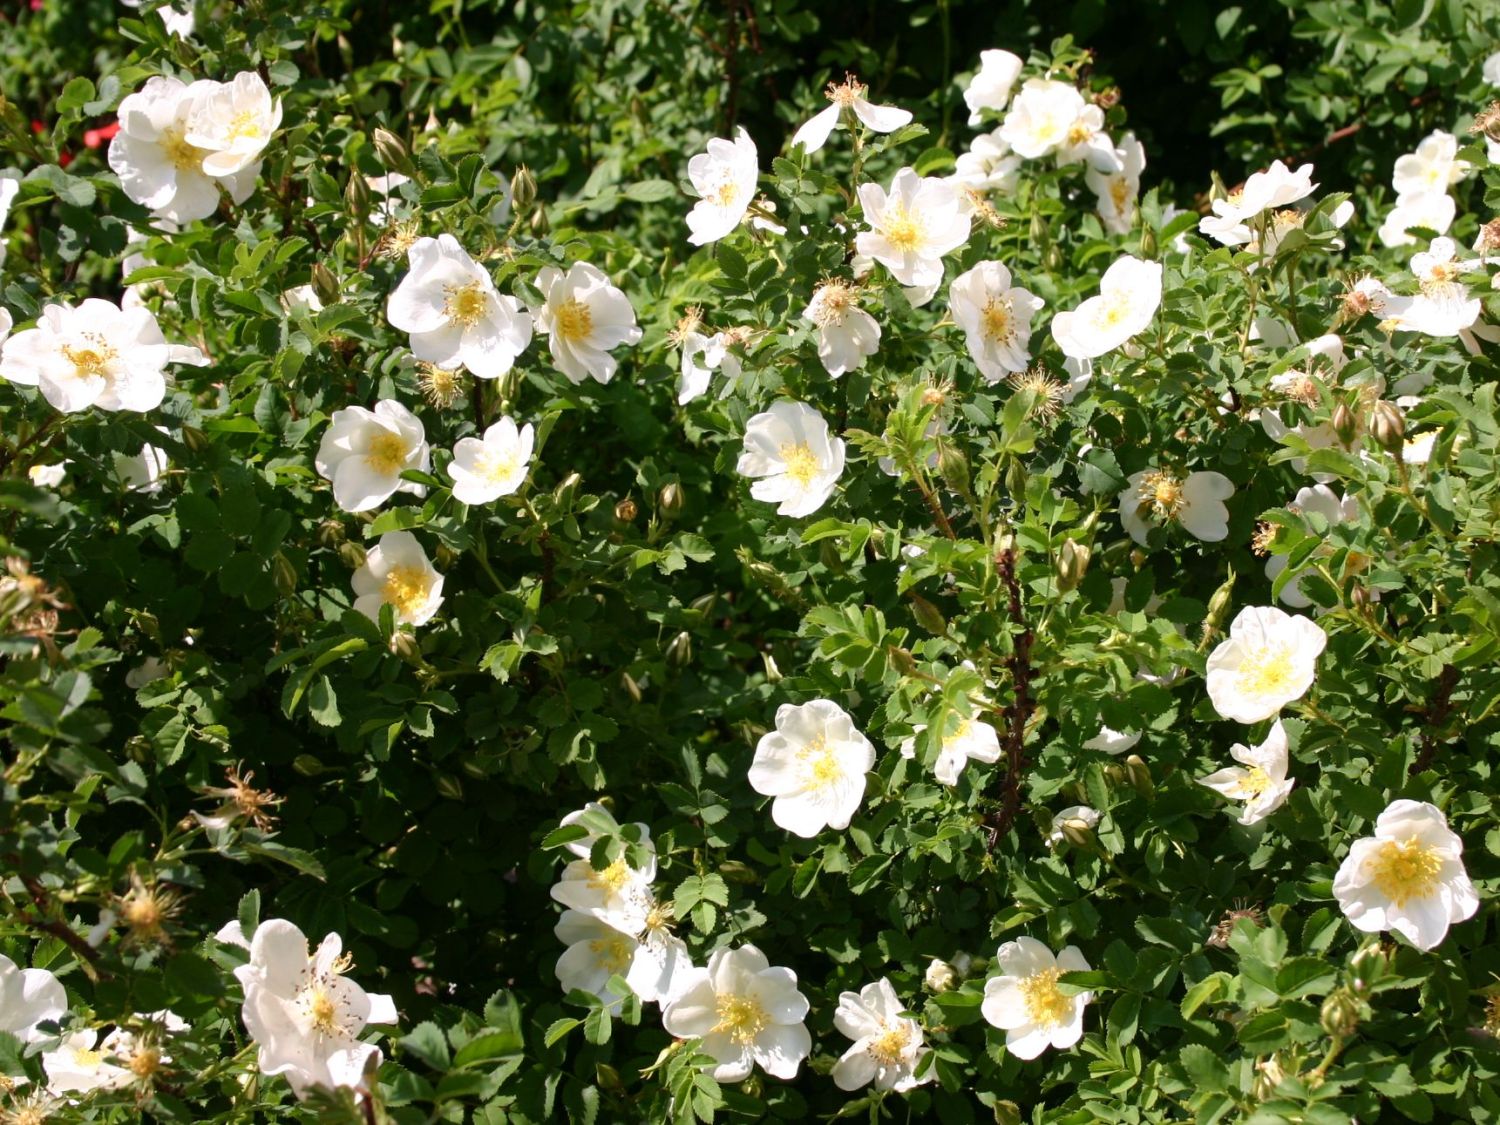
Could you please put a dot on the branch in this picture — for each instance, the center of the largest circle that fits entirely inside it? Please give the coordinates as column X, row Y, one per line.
column 59, row 929
column 1437, row 716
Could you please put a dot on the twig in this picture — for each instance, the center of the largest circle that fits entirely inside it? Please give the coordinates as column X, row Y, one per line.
column 1018, row 712
column 1437, row 715
column 58, row 929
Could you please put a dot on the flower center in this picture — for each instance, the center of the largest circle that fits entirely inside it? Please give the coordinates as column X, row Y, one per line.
column 405, row 588
column 497, row 468
column 740, row 1017
column 1254, row 782
column 902, row 229
column 1266, row 671
column 844, row 93
column 91, row 360
column 85, row 1059
column 144, row 1062
column 1045, row 1003
column 244, row 125
column 1079, row 132
column 1162, row 493
column 801, row 463
column 466, row 303
column 832, row 305
column 1405, row 869
column 999, row 324
column 612, row 952
column 613, row 878
column 962, row 732
column 1119, row 193
column 574, row 320
column 889, row 1046
column 386, row 453
column 726, row 195
column 1114, row 310
column 179, row 153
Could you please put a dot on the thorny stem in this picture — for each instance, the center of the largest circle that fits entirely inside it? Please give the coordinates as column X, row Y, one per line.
column 1437, row 715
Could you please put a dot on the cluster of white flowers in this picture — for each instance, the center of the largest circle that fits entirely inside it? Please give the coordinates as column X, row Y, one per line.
column 180, row 143
column 612, row 923
column 1422, row 180
column 304, row 1013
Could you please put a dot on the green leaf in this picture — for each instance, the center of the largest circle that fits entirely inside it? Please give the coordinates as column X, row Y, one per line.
column 427, row 1042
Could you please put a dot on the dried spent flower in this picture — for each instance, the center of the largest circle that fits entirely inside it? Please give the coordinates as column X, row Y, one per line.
column 1243, row 908
column 241, row 801
column 145, row 912
column 396, row 239
column 1260, row 542
column 1046, row 391
column 440, row 386
column 690, row 322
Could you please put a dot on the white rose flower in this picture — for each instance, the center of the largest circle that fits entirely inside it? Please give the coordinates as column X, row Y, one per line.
column 6, row 323
column 798, row 463
column 1268, row 661
column 701, row 357
column 1086, row 140
column 1117, row 184
column 1041, row 116
column 454, row 313
column 654, row 962
column 142, row 473
column 1025, row 1002
column 48, row 476
column 813, row 765
column 724, row 178
column 303, row 1012
column 1428, row 210
column 485, row 469
column 1409, row 877
column 746, row 1012
column 846, row 333
column 141, row 1046
column 850, row 95
column 232, row 122
column 1432, row 169
column 97, row 354
column 1321, row 500
column 1260, row 780
column 397, row 573
column 888, row 1048
column 912, row 226
column 1111, row 741
column 990, row 88
column 1080, row 817
column 1418, row 450
column 619, row 895
column 158, row 166
column 995, row 317
column 74, row 1066
column 29, row 997
column 1155, row 497
column 364, row 452
column 1129, row 295
column 971, row 739
column 584, row 318
column 988, row 166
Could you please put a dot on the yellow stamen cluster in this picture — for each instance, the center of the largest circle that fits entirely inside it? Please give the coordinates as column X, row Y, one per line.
column 834, row 301
column 405, row 588
column 801, row 463
column 691, row 321
column 1161, row 492
column 740, row 1017
column 1403, row 870
column 844, row 93
column 90, row 360
column 902, row 229
column 179, row 153
column 397, row 239
column 244, row 125
column 145, row 912
column 1046, row 1006
column 1260, row 542
column 465, row 304
column 387, row 453
column 573, row 321
column 1265, row 671
column 890, row 1045
column 1047, row 393
column 439, row 385
column 1254, row 782
column 997, row 318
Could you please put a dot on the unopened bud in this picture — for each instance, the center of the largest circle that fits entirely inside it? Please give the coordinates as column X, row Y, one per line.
column 670, row 498
column 680, row 650
column 393, row 152
column 1015, row 478
column 1216, row 189
column 1345, row 425
column 608, row 1078
column 1218, row 605
column 940, row 976
column 194, row 438
column 1340, row 1014
column 625, row 510
column 773, row 672
column 307, row 765
column 332, row 532
column 1268, row 1075
column 954, row 467
column 539, row 224
column 352, row 554
column 406, row 646
column 324, row 284
column 1148, row 243
column 522, row 190
column 563, row 494
column 1370, row 965
column 928, row 616
column 1359, row 598
column 283, row 574
column 357, row 195
column 1389, row 426
column 1139, row 775
column 1055, row 259
column 1038, row 231
column 1077, row 831
column 1072, row 564
column 632, row 689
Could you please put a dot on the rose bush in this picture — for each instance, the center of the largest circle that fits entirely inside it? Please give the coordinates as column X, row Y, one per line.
column 553, row 573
